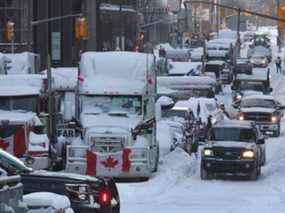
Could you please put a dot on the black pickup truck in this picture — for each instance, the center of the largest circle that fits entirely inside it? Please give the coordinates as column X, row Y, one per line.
column 234, row 148
column 86, row 194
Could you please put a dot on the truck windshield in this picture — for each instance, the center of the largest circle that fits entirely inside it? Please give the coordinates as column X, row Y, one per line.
column 255, row 86
column 131, row 105
column 247, row 103
column 233, row 134
column 19, row 103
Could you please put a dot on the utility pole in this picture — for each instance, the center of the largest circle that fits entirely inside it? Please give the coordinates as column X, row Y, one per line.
column 278, row 26
column 238, row 33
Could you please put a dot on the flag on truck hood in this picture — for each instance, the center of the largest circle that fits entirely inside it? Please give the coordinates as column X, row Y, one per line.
column 107, row 164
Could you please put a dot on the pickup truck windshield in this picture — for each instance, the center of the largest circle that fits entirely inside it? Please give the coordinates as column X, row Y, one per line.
column 247, row 103
column 255, row 86
column 233, row 134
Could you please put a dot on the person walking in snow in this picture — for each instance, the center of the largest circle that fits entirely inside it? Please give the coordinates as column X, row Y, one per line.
column 278, row 63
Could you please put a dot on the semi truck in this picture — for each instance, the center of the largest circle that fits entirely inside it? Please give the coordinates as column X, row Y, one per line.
column 117, row 94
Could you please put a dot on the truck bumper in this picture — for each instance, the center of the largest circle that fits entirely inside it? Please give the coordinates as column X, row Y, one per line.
column 242, row 167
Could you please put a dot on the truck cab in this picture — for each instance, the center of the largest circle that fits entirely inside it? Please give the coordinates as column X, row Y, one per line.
column 117, row 115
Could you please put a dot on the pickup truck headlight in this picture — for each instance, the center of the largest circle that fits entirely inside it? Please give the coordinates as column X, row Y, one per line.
column 274, row 119
column 208, row 152
column 248, row 154
column 241, row 117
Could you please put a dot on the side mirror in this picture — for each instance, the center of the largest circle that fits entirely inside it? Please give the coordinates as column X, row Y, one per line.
column 270, row 90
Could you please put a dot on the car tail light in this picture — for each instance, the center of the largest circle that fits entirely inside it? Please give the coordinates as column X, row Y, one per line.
column 105, row 197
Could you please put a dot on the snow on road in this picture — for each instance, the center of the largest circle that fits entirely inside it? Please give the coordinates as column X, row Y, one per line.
column 177, row 187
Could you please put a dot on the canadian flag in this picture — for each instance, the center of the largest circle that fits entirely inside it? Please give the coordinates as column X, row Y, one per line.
column 107, row 164
column 15, row 144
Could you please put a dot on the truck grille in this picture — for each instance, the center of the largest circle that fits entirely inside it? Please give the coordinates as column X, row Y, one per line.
column 258, row 117
column 107, row 144
column 227, row 154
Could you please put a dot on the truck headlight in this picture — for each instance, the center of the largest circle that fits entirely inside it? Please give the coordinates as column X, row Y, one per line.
column 248, row 154
column 238, row 97
column 274, row 119
column 241, row 117
column 208, row 152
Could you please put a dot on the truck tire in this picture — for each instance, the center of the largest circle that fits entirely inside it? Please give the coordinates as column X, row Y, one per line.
column 277, row 132
column 156, row 161
column 204, row 174
column 254, row 174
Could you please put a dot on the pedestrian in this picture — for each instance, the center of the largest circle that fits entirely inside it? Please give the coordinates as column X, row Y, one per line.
column 278, row 63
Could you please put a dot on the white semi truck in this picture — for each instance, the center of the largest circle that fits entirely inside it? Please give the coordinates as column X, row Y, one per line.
column 117, row 114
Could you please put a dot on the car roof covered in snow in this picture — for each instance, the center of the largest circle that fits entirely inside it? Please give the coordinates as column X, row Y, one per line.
column 264, row 97
column 64, row 175
column 182, row 105
column 188, row 81
column 21, row 85
column 233, row 123
column 46, row 199
column 19, row 117
column 115, row 72
column 183, row 67
column 216, row 62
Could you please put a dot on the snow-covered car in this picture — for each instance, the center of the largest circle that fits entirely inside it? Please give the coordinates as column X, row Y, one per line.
column 235, row 148
column 259, row 60
column 265, row 111
column 46, row 202
column 86, row 194
column 197, row 54
column 185, row 68
column 184, row 87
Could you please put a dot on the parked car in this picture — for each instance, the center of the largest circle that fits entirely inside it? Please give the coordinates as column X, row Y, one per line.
column 265, row 111
column 86, row 194
column 234, row 147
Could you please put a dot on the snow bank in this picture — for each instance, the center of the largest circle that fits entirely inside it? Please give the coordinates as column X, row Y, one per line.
column 175, row 167
column 164, row 137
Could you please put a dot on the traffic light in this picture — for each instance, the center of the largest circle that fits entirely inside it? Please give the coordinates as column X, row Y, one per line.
column 81, row 28
column 281, row 14
column 9, row 31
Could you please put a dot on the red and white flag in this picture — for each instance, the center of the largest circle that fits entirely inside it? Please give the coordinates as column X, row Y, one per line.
column 108, row 164
column 15, row 144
